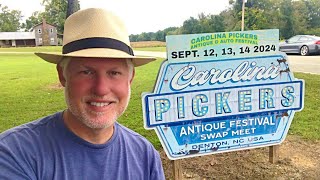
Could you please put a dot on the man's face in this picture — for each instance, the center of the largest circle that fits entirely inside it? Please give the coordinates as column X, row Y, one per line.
column 97, row 91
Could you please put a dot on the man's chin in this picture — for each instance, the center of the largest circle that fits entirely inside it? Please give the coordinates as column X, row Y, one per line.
column 98, row 122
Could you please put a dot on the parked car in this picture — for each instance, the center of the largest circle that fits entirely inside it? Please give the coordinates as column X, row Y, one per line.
column 301, row 44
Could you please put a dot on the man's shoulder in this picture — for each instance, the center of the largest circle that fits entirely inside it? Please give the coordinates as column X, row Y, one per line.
column 32, row 128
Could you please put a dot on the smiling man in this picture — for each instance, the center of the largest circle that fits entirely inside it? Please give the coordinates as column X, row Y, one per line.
column 96, row 69
column 97, row 93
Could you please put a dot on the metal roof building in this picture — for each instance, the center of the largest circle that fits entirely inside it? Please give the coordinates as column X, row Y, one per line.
column 16, row 35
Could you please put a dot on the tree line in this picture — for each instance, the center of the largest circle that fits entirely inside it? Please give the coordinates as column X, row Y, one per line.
column 291, row 17
column 55, row 13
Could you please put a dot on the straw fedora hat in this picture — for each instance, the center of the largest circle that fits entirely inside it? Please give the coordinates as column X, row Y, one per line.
column 95, row 32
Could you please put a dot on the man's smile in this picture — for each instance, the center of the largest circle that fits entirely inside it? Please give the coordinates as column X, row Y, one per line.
column 100, row 104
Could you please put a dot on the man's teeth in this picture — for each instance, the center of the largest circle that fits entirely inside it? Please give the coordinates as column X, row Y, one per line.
column 99, row 104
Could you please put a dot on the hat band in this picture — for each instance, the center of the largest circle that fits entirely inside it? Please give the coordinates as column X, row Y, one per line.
column 96, row 42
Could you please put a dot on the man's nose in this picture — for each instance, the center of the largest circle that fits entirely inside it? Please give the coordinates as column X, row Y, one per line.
column 101, row 85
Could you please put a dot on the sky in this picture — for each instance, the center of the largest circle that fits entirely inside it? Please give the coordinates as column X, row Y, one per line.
column 138, row 15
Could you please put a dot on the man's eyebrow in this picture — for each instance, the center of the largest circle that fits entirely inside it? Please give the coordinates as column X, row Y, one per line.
column 108, row 69
column 85, row 66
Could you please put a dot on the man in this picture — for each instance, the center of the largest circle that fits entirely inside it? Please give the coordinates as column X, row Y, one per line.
column 96, row 68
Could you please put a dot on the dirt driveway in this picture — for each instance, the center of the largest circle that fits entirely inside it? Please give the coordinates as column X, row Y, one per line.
column 298, row 159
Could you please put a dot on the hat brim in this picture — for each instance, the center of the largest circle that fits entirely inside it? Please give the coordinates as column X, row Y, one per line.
column 95, row 53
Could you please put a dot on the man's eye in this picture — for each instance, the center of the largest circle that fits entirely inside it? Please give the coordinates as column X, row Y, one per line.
column 86, row 72
column 115, row 73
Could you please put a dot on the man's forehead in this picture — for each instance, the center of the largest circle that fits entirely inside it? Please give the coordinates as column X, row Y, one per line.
column 87, row 61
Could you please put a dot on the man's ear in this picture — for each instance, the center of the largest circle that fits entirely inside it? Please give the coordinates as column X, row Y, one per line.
column 133, row 73
column 62, row 79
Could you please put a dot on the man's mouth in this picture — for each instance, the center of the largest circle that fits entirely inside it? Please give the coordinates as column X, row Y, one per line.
column 99, row 104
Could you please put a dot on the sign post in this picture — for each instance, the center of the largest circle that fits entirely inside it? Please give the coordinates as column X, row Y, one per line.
column 273, row 154
column 177, row 169
column 221, row 92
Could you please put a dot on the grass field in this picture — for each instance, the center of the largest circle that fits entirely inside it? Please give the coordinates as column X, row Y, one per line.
column 32, row 49
column 29, row 90
column 144, row 45
column 157, row 49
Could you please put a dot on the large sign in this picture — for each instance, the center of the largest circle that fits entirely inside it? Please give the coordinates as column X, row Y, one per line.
column 222, row 92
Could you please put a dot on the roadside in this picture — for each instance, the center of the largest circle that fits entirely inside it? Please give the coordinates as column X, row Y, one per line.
column 304, row 64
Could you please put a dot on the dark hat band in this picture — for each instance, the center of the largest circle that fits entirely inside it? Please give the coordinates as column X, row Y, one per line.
column 96, row 42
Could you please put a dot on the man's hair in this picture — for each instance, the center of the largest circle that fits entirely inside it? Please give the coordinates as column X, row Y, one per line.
column 65, row 62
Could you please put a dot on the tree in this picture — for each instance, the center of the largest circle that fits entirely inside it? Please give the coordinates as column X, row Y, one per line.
column 256, row 19
column 133, row 37
column 258, row 14
column 191, row 26
column 234, row 23
column 229, row 20
column 34, row 19
column 313, row 13
column 9, row 19
column 300, row 14
column 204, row 23
column 171, row 31
column 55, row 12
column 160, row 36
column 73, row 6
column 287, row 25
column 215, row 23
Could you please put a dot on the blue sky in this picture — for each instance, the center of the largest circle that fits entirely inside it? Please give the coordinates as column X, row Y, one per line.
column 139, row 15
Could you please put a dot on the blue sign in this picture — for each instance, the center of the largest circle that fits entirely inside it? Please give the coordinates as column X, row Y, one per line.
column 222, row 92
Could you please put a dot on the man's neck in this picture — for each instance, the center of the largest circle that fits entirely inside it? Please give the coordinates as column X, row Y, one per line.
column 94, row 136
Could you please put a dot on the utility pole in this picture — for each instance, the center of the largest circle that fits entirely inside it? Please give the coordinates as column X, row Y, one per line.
column 242, row 20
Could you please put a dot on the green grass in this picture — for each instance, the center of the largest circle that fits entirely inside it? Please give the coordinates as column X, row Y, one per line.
column 307, row 122
column 32, row 49
column 28, row 91
column 157, row 49
column 25, row 94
